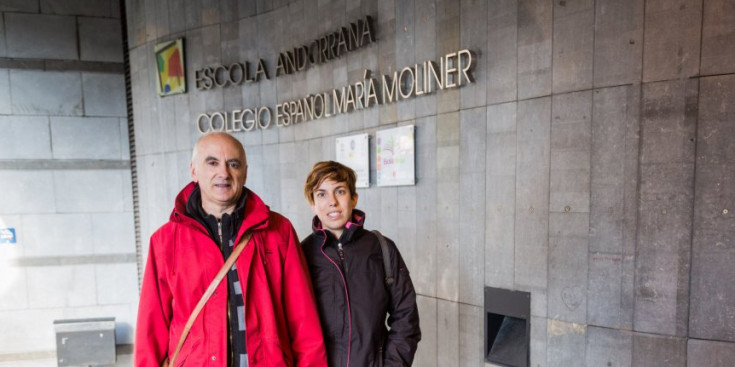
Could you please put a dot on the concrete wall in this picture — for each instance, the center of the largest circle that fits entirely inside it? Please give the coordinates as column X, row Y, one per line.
column 591, row 163
column 64, row 173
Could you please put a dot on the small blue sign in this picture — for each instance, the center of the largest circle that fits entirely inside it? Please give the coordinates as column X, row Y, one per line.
column 7, row 235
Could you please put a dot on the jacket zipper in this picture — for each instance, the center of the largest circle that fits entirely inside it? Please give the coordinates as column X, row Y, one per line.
column 341, row 253
column 229, row 316
column 342, row 273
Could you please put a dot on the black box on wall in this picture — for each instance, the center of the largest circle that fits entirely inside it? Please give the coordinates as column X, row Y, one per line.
column 507, row 327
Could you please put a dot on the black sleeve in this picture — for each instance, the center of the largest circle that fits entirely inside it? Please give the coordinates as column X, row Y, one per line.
column 403, row 315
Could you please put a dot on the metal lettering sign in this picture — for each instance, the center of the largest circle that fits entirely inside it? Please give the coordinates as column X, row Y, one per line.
column 7, row 235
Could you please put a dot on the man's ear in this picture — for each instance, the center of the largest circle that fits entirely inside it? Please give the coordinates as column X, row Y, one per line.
column 193, row 172
column 354, row 200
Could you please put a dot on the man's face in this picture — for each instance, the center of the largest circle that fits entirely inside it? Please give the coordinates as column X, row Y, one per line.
column 333, row 204
column 220, row 168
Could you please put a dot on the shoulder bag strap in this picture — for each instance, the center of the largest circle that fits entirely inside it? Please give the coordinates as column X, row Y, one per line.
column 386, row 258
column 208, row 293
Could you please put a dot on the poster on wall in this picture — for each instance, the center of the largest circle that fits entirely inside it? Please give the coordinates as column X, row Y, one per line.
column 353, row 151
column 170, row 71
column 394, row 150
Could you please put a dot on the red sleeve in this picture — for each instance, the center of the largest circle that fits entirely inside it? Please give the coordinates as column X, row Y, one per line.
column 302, row 318
column 154, row 310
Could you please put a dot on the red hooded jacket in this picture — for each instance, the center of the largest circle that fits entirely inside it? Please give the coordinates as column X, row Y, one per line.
column 282, row 324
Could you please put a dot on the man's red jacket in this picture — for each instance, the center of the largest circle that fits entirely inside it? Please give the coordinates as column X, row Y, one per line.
column 282, row 323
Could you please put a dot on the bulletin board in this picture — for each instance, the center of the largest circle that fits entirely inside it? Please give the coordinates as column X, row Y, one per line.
column 394, row 150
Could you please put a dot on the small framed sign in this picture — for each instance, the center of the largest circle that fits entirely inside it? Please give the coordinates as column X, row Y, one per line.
column 394, row 150
column 170, row 67
column 7, row 235
column 353, row 151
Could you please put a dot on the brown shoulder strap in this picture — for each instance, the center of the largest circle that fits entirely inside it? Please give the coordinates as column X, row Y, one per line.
column 208, row 293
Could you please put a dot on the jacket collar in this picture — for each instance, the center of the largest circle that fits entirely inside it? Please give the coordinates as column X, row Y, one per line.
column 255, row 212
column 351, row 227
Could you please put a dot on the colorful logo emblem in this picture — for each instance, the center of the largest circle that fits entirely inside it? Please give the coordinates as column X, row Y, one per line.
column 7, row 235
column 171, row 72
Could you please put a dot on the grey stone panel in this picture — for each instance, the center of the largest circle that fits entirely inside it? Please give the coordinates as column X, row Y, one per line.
column 24, row 137
column 715, row 144
column 425, row 49
column 184, row 131
column 708, row 353
column 500, row 196
column 614, row 163
column 534, row 48
column 3, row 45
column 271, row 170
column 172, row 17
column 388, row 213
column 426, row 136
column 663, row 251
column 502, row 47
column 100, row 39
column 424, row 271
column 61, row 286
column 566, row 344
column 659, row 351
column 447, row 333
column 85, row 138
column 573, row 45
column 162, row 15
column 387, row 34
column 472, row 129
column 92, row 8
column 63, row 93
column 610, row 296
column 404, row 54
column 471, row 335
column 472, row 201
column 448, row 39
column 570, row 152
column 668, row 122
column 104, row 94
column 24, row 6
column 539, row 338
column 48, row 235
column 532, row 195
column 426, row 354
column 136, row 16
column 447, row 237
column 89, row 191
column 608, row 347
column 471, row 238
column 665, row 207
column 41, row 36
column 249, row 52
column 568, row 244
column 672, row 39
column 407, row 235
column 499, row 225
column 473, row 36
column 718, row 38
column 113, row 233
column 31, row 192
column 714, row 228
column 618, row 42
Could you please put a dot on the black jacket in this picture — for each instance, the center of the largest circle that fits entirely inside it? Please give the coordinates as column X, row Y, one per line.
column 353, row 299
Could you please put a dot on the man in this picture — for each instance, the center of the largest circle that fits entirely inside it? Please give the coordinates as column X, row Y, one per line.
column 354, row 294
column 263, row 312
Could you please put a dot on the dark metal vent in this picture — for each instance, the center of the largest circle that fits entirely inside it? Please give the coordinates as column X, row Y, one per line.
column 507, row 327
